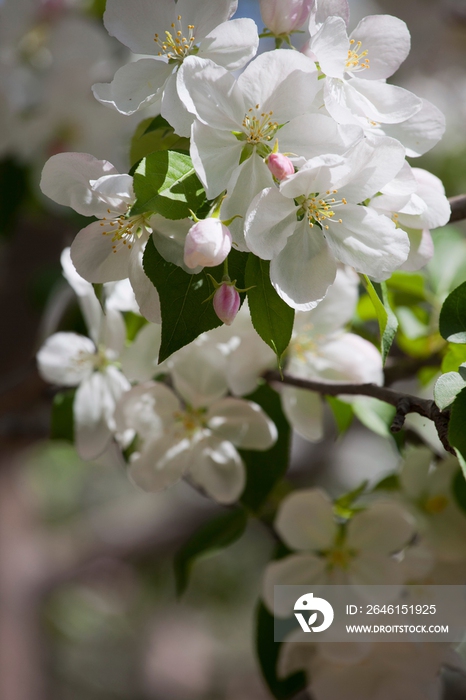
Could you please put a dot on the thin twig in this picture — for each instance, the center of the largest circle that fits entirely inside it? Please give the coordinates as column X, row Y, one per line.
column 404, row 403
column 458, row 208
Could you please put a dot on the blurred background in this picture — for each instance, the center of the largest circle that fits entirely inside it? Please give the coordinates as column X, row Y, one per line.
column 88, row 609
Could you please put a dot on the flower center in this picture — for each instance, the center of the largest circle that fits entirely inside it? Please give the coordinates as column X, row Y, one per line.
column 191, row 420
column 259, row 127
column 123, row 229
column 321, row 209
column 176, row 44
column 356, row 60
column 339, row 558
column 436, row 504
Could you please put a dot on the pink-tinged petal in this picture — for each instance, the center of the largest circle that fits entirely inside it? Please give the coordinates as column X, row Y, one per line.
column 305, row 521
column 270, row 220
column 93, row 256
column 161, row 463
column 135, row 85
column 226, row 303
column 207, row 244
column 231, row 44
column 421, row 132
column 289, row 89
column 295, row 570
column 304, row 411
column 280, row 166
column 247, row 180
column 330, row 45
column 243, row 423
column 146, row 294
column 367, row 241
column 384, row 528
column 216, row 155
column 66, row 180
column 421, row 249
column 91, row 405
column 66, row 359
column 218, row 469
column 303, row 271
column 283, row 18
column 387, row 42
column 210, row 93
column 135, row 23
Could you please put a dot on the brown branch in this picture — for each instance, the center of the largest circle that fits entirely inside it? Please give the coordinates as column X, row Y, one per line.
column 458, row 208
column 404, row 403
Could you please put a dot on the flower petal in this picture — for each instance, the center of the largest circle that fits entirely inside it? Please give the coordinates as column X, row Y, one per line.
column 135, row 85
column 139, row 361
column 173, row 108
column 66, row 359
column 305, row 520
column 294, row 570
column 231, row 44
column 312, row 135
column 92, row 404
column 387, row 41
column 216, row 155
column 270, row 220
column 381, row 102
column 330, row 45
column 421, row 132
column 161, row 463
column 243, row 423
column 217, row 467
column 384, row 528
column 145, row 292
column 304, row 412
column 93, row 255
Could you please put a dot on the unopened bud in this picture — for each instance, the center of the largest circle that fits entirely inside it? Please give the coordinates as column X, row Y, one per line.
column 280, row 166
column 284, row 16
column 207, row 243
column 226, row 303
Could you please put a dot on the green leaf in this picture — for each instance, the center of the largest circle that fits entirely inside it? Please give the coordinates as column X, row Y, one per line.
column 388, row 483
column 458, row 487
column 452, row 322
column 165, row 183
column 265, row 469
column 447, row 387
column 456, row 431
column 342, row 412
column 268, row 652
column 375, row 415
column 215, row 535
column 62, row 418
column 185, row 312
column 155, row 135
column 346, row 501
column 388, row 323
column 454, row 357
column 408, row 287
column 270, row 315
column 99, row 291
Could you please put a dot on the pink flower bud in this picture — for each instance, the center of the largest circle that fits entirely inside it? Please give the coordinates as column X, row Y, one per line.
column 207, row 244
column 284, row 16
column 226, row 303
column 280, row 166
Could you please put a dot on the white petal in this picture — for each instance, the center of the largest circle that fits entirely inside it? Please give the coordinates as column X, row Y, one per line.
column 421, row 249
column 216, row 155
column 330, row 45
column 161, row 463
column 169, row 237
column 420, row 132
column 205, row 15
column 66, row 179
column 243, row 423
column 149, row 409
column 367, row 241
column 374, row 569
column 217, row 467
column 381, row 102
column 384, row 528
column 328, row 8
column 304, row 412
column 93, row 257
column 91, row 405
column 295, row 570
column 146, row 294
column 210, row 92
column 337, row 307
column 198, row 374
column 247, row 180
column 113, row 332
column 231, row 44
column 387, row 41
column 135, row 85
column 312, row 135
column 284, row 82
column 348, row 358
column 305, row 520
column 303, row 271
column 66, row 359
column 270, row 220
column 139, row 361
column 135, row 23
column 173, row 108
